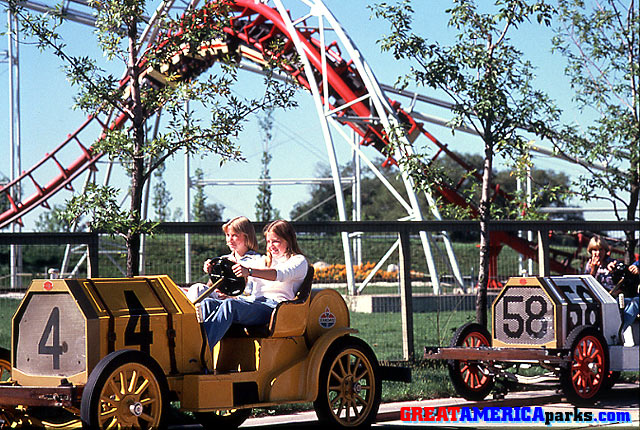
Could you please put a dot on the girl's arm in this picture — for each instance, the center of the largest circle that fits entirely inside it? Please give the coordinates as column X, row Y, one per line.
column 268, row 273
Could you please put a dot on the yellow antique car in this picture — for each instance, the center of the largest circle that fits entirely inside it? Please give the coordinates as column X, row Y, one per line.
column 114, row 352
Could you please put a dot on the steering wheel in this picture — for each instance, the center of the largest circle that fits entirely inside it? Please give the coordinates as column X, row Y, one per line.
column 221, row 270
column 625, row 281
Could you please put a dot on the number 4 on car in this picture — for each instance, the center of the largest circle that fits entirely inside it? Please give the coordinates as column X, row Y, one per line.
column 112, row 353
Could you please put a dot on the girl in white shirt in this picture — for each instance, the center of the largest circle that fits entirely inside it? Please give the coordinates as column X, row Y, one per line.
column 243, row 244
column 284, row 270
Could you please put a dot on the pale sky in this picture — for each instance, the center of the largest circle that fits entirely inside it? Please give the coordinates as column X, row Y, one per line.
column 298, row 147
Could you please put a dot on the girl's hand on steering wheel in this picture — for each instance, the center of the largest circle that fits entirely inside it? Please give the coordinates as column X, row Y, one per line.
column 240, row 271
column 206, row 267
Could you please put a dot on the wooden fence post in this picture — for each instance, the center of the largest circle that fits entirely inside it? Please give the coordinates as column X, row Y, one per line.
column 406, row 298
column 543, row 253
column 93, row 245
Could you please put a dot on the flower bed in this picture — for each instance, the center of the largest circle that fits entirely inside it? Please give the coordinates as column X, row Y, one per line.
column 338, row 273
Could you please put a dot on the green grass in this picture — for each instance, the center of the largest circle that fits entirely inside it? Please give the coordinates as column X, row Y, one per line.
column 7, row 309
column 382, row 331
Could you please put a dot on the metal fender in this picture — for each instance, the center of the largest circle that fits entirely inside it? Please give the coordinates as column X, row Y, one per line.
column 316, row 355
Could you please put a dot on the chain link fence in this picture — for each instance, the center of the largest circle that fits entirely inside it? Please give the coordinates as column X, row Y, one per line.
column 375, row 309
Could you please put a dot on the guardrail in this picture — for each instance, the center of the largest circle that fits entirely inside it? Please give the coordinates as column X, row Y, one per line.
column 321, row 241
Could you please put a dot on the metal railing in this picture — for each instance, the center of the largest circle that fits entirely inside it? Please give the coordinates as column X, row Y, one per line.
column 396, row 293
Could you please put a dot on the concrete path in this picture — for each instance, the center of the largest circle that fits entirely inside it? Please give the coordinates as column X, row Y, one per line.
column 623, row 402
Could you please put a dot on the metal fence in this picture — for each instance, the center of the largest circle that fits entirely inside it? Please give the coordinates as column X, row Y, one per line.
column 404, row 281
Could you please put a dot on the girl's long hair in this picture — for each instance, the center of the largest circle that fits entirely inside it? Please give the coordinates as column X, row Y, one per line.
column 242, row 225
column 284, row 230
column 598, row 242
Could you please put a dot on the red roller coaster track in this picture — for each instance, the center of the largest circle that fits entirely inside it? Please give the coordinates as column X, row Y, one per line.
column 253, row 28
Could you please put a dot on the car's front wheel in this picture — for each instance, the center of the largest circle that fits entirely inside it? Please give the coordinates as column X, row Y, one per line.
column 127, row 389
column 349, row 388
column 584, row 378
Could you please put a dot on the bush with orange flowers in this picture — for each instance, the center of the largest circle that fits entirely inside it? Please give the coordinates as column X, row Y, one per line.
column 338, row 273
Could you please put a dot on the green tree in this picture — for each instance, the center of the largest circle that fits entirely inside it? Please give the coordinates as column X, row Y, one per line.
column 161, row 196
column 377, row 202
column 601, row 42
column 203, row 211
column 380, row 205
column 551, row 188
column 489, row 82
column 117, row 28
column 52, row 221
column 264, row 210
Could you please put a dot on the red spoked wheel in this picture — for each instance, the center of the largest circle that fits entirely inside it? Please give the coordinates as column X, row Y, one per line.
column 471, row 379
column 584, row 378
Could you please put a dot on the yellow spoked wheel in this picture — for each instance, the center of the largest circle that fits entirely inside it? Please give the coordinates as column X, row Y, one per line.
column 349, row 388
column 127, row 389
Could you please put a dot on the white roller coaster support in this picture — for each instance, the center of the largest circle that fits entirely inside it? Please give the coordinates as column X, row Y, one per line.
column 383, row 111
column 371, row 166
column 391, row 125
column 74, row 228
column 322, row 110
column 151, row 30
column 356, row 192
column 187, row 218
column 361, row 156
column 13, row 55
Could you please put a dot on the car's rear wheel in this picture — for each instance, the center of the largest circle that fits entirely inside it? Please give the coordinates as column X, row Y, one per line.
column 349, row 388
column 471, row 379
column 584, row 378
column 127, row 389
column 226, row 419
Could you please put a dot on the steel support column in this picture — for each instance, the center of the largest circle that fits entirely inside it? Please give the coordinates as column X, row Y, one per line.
column 14, row 138
column 322, row 111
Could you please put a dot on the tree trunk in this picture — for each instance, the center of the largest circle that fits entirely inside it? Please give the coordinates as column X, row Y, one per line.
column 137, row 168
column 634, row 194
column 485, row 208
